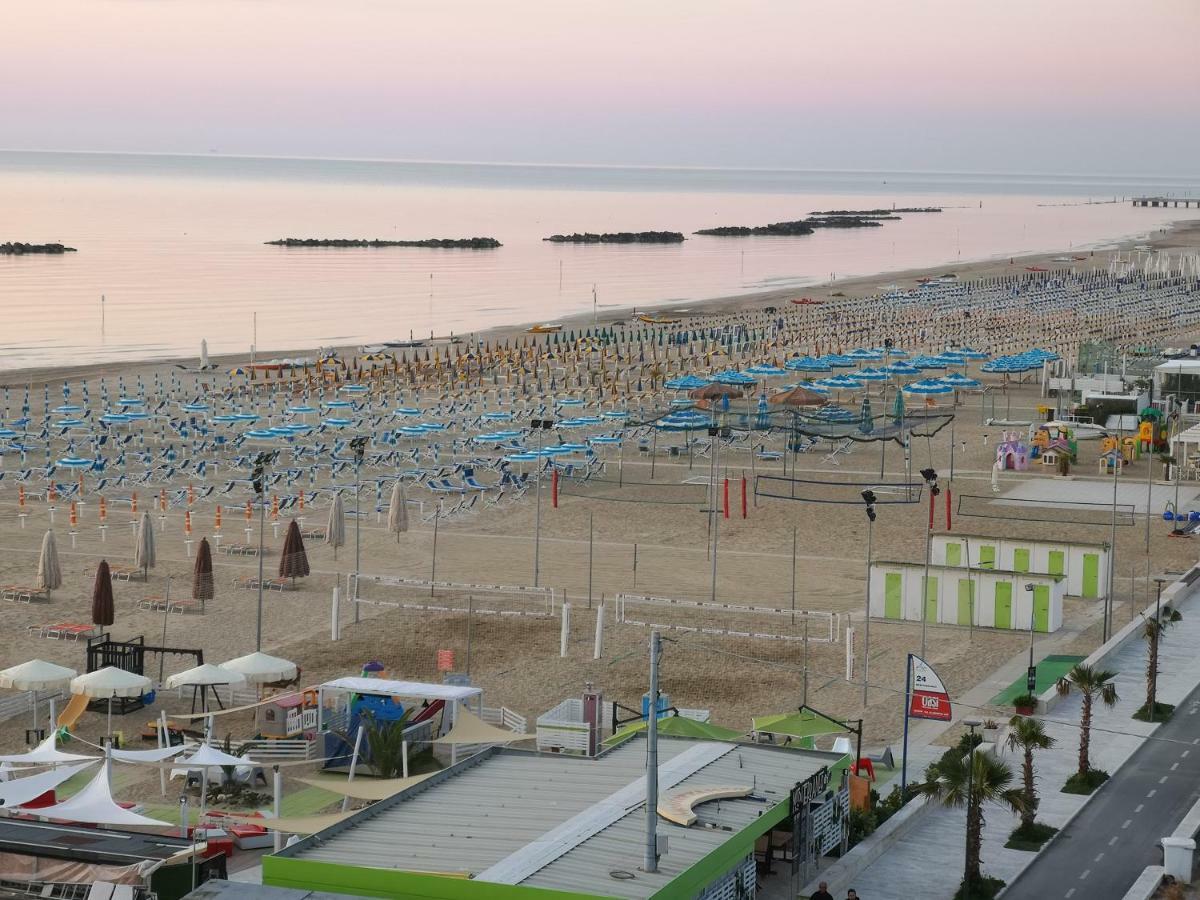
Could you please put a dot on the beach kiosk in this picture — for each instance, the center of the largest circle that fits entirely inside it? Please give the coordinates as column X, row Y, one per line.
column 962, row 595
column 1083, row 565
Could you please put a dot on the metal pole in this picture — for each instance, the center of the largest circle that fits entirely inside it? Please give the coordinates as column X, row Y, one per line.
column 433, row 561
column 470, row 612
column 925, row 584
column 866, row 612
column 650, row 860
column 970, row 798
column 1112, row 568
column 793, row 574
column 716, row 520
column 277, row 805
column 262, row 521
column 590, row 552
column 357, row 528
column 537, row 528
column 804, row 693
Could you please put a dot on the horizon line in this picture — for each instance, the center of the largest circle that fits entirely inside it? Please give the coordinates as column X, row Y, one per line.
column 585, row 165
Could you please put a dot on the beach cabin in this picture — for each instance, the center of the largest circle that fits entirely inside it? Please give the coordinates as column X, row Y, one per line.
column 1111, row 462
column 1083, row 566
column 958, row 595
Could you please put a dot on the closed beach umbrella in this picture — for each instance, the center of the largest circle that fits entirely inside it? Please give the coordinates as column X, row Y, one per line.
column 143, row 550
column 398, row 511
column 102, row 596
column 203, row 586
column 203, row 354
column 293, row 561
column 335, row 528
column 49, row 573
column 867, row 423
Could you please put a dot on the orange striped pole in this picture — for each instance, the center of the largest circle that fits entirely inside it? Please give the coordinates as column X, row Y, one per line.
column 103, row 510
column 187, row 522
column 133, row 503
column 74, row 517
column 217, row 519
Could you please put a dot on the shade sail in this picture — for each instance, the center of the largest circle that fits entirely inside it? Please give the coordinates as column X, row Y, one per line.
column 470, row 729
column 110, row 682
column 94, row 804
column 208, row 757
column 389, row 688
column 44, row 754
column 36, row 675
column 261, row 668
column 204, row 675
column 157, row 754
column 298, row 824
column 798, row 724
column 365, row 788
column 22, row 790
column 682, row 726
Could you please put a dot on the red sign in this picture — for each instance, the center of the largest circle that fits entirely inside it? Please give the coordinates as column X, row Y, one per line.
column 929, row 697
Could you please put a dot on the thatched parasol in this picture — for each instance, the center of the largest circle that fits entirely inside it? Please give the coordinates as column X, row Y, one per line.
column 797, row 396
column 203, row 586
column 102, row 596
column 293, row 561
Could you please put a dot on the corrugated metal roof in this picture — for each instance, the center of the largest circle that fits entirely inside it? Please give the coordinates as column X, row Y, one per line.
column 484, row 812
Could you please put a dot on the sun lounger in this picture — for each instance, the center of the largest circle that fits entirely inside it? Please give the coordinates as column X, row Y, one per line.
column 125, row 573
column 162, row 604
column 239, row 549
column 63, row 631
column 250, row 582
column 19, row 594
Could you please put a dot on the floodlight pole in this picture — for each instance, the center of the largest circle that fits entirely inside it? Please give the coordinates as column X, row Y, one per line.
column 867, row 609
column 650, row 860
column 716, row 512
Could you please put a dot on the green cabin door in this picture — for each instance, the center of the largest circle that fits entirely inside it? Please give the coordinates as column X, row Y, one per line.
column 1041, row 607
column 931, row 599
column 893, row 589
column 1091, row 575
column 1004, row 604
column 1021, row 559
column 966, row 600
column 1058, row 562
column 987, row 556
column 954, row 554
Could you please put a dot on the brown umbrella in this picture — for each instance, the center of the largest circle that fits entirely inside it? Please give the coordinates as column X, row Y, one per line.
column 798, row 396
column 203, row 587
column 102, row 596
column 293, row 562
column 716, row 391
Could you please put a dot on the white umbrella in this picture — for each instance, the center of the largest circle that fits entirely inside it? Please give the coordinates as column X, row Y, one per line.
column 203, row 354
column 261, row 668
column 49, row 572
column 204, row 676
column 143, row 551
column 110, row 682
column 37, row 674
column 398, row 511
column 335, row 528
column 206, row 758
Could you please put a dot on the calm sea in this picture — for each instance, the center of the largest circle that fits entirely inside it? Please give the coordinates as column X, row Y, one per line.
column 175, row 244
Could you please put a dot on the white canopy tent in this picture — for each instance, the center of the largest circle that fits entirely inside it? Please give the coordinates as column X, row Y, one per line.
column 110, row 682
column 16, row 791
column 95, row 805
column 203, row 677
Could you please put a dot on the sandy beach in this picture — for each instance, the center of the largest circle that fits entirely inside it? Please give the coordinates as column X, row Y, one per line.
column 648, row 536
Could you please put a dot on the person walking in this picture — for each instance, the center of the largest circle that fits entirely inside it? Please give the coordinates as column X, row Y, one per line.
column 822, row 892
column 852, row 894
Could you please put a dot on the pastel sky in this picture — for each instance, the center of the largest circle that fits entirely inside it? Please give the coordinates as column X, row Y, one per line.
column 1089, row 86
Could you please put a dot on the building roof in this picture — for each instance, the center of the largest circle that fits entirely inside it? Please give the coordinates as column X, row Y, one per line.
column 997, row 539
column 390, row 688
column 218, row 889
column 1189, row 366
column 94, row 845
column 561, row 822
column 977, row 570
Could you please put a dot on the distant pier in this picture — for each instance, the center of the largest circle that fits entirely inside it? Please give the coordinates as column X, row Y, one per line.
column 1185, row 202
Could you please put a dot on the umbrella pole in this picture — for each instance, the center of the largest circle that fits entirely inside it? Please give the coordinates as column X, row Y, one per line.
column 110, row 699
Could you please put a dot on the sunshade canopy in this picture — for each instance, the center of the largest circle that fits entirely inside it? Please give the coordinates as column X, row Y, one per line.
column 110, row 682
column 36, row 675
column 470, row 729
column 204, row 676
column 22, row 790
column 94, row 804
column 798, row 724
column 46, row 753
column 680, row 726
column 261, row 668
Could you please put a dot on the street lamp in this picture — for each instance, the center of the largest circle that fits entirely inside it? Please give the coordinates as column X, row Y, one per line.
column 869, row 499
column 538, row 425
column 259, row 481
column 358, row 445
column 1158, row 583
column 931, row 482
column 1031, row 674
column 972, row 724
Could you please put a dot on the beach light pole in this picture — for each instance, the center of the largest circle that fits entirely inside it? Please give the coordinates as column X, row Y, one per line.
column 650, row 859
column 1031, row 673
column 359, row 446
column 538, row 425
column 931, row 482
column 972, row 724
column 869, row 499
column 261, row 462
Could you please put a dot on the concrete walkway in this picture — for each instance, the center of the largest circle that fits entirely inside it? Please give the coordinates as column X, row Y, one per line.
column 927, row 862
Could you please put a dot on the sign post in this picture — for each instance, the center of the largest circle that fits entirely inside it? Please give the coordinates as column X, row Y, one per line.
column 804, row 794
column 925, row 697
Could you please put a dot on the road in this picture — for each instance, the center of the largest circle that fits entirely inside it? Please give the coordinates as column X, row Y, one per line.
column 1104, row 849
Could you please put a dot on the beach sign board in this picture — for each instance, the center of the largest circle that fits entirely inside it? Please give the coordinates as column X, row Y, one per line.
column 928, row 698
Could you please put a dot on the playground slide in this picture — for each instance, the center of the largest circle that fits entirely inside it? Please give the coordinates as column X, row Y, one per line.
column 70, row 715
column 428, row 712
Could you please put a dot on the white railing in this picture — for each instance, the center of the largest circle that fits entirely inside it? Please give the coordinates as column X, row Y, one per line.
column 563, row 729
column 11, row 707
column 279, row 749
column 828, row 623
column 503, row 717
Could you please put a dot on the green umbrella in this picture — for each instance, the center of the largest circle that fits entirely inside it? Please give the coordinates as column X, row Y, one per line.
column 798, row 724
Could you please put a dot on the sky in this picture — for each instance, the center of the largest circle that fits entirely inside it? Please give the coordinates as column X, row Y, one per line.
column 1066, row 86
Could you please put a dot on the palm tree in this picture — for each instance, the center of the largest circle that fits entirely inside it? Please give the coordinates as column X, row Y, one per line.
column 1091, row 683
column 1028, row 735
column 1152, row 631
column 969, row 780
